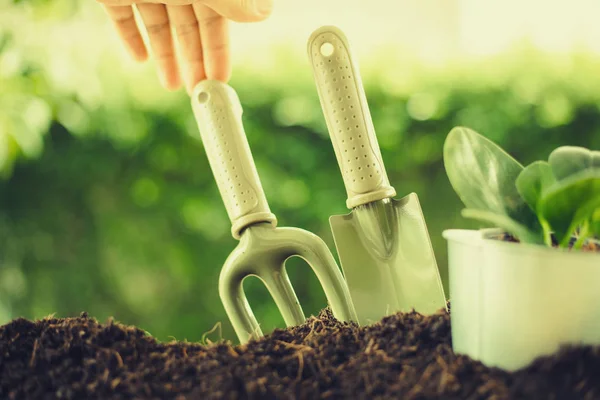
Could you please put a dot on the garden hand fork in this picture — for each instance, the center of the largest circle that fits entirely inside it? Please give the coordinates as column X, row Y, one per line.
column 263, row 248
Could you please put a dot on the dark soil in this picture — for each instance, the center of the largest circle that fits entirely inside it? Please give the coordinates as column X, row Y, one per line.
column 405, row 356
column 588, row 246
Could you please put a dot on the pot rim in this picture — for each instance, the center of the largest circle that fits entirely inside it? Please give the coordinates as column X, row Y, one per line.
column 483, row 237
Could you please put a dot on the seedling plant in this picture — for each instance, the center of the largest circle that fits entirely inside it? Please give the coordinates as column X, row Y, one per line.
column 554, row 202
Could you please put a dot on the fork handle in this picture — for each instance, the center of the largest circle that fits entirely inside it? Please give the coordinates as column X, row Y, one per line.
column 218, row 113
column 348, row 118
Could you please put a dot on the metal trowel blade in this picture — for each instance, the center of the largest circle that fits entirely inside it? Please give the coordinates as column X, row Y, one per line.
column 387, row 259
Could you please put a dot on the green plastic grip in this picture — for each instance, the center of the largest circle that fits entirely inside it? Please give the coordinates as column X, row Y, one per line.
column 229, row 155
column 348, row 119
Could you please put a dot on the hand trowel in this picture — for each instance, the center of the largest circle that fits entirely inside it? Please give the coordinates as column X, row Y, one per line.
column 383, row 244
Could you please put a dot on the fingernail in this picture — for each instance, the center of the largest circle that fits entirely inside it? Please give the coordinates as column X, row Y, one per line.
column 192, row 77
column 263, row 7
column 189, row 88
column 169, row 82
column 164, row 80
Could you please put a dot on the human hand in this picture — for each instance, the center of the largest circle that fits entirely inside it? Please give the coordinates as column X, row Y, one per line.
column 200, row 29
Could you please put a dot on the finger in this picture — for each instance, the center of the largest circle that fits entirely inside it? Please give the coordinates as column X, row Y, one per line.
column 214, row 34
column 156, row 20
column 184, row 21
column 241, row 10
column 116, row 3
column 126, row 26
column 131, row 2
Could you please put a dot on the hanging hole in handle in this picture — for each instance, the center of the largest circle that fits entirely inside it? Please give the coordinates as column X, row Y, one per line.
column 326, row 49
column 203, row 97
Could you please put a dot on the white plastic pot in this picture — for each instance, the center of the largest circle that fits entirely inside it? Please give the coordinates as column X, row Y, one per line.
column 513, row 302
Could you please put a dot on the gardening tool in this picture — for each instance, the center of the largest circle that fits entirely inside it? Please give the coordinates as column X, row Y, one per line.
column 383, row 244
column 263, row 248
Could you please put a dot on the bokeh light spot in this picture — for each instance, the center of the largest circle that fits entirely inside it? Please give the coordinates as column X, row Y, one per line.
column 145, row 192
column 294, row 193
column 421, row 106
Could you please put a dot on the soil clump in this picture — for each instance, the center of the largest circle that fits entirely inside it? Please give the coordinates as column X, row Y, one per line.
column 406, row 356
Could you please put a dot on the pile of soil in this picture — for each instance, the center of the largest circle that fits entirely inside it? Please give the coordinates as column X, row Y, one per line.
column 407, row 356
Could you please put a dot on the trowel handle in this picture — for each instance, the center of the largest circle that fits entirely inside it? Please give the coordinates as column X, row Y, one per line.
column 348, row 118
column 218, row 113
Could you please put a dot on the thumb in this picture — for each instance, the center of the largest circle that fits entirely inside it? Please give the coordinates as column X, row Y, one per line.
column 241, row 10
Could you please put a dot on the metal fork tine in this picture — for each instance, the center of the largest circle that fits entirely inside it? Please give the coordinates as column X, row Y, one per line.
column 315, row 252
column 231, row 291
column 278, row 283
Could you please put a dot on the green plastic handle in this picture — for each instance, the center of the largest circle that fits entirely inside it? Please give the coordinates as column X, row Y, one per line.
column 219, row 116
column 346, row 111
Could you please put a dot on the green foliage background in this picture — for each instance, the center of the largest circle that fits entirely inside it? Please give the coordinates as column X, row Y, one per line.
column 107, row 201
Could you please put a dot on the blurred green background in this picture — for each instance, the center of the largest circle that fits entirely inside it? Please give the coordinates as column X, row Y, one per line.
column 107, row 201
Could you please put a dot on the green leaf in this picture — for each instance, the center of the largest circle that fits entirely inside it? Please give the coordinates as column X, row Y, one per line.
column 508, row 224
column 532, row 182
column 483, row 175
column 569, row 160
column 595, row 159
column 595, row 223
column 570, row 202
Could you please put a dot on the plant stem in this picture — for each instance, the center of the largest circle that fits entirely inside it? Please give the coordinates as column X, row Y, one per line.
column 547, row 232
column 584, row 233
